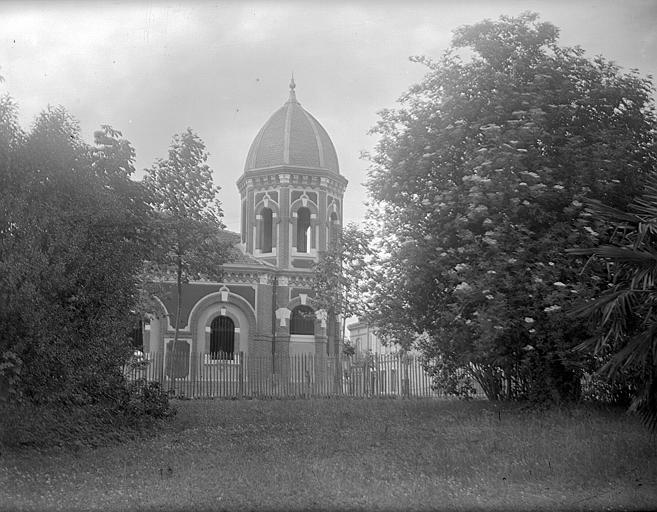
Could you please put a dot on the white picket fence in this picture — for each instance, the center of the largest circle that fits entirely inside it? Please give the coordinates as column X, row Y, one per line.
column 235, row 375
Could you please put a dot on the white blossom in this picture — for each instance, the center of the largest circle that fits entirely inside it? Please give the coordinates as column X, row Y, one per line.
column 559, row 284
column 529, row 320
column 552, row 309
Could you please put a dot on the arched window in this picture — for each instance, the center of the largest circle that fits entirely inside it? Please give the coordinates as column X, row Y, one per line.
column 243, row 221
column 266, row 234
column 303, row 230
column 302, row 320
column 222, row 338
column 333, row 229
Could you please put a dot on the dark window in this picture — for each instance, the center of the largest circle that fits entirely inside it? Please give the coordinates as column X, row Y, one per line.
column 303, row 230
column 302, row 320
column 333, row 229
column 266, row 235
column 222, row 338
column 243, row 220
column 137, row 335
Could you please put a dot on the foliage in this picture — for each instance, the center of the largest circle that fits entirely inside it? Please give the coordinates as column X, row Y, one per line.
column 147, row 398
column 72, row 230
column 348, row 349
column 189, row 223
column 137, row 411
column 481, row 175
column 624, row 312
column 340, row 275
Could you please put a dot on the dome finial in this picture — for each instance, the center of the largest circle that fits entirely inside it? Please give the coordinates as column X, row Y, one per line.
column 293, row 96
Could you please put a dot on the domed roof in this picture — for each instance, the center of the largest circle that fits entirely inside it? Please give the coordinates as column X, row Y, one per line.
column 292, row 136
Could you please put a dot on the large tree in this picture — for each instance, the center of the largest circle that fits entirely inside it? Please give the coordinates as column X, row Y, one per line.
column 72, row 228
column 189, row 217
column 481, row 174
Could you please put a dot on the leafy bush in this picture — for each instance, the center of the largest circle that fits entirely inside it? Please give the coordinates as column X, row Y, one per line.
column 148, row 398
column 124, row 412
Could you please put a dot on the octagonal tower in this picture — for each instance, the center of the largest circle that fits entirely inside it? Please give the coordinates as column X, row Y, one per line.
column 291, row 190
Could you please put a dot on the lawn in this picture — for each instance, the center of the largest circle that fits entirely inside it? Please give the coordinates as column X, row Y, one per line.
column 351, row 454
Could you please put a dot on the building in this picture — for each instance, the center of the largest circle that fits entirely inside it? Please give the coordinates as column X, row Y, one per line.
column 365, row 341
column 292, row 203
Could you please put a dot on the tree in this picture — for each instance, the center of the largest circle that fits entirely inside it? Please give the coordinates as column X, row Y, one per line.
column 623, row 312
column 481, row 175
column 71, row 248
column 340, row 275
column 189, row 221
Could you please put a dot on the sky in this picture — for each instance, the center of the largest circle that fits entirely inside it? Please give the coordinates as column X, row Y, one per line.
column 153, row 69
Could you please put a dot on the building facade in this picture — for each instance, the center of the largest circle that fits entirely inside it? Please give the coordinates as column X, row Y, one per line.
column 291, row 204
column 364, row 340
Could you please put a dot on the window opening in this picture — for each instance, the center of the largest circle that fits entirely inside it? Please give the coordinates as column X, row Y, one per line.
column 302, row 320
column 222, row 338
column 303, row 230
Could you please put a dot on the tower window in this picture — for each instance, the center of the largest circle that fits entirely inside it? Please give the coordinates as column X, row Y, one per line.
column 303, row 230
column 222, row 338
column 302, row 320
column 243, row 221
column 333, row 229
column 266, row 234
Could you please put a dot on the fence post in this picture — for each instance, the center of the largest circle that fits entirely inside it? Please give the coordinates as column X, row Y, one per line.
column 240, row 376
column 405, row 383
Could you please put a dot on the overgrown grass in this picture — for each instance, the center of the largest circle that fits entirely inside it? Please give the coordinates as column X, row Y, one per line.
column 131, row 412
column 351, row 454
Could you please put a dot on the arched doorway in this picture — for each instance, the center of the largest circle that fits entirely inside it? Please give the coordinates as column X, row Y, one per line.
column 222, row 338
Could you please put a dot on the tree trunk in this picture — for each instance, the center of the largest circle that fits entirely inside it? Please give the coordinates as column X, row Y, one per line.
column 174, row 345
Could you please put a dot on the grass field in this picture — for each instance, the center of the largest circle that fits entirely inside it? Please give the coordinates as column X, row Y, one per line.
column 351, row 455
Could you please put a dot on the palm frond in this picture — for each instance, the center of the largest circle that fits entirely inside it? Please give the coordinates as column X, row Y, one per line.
column 638, row 351
column 609, row 213
column 624, row 254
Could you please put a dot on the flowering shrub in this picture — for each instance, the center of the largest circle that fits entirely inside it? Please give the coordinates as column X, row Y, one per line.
column 481, row 176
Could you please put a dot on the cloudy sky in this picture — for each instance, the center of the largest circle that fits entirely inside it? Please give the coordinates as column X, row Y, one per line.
column 152, row 69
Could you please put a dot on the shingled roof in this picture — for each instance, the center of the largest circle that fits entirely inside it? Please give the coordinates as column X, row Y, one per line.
column 236, row 255
column 292, row 137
